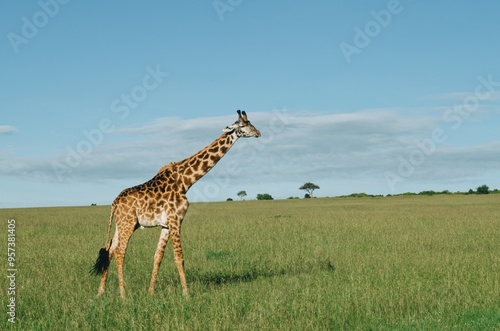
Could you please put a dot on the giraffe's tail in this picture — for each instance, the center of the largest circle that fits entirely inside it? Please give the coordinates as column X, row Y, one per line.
column 102, row 262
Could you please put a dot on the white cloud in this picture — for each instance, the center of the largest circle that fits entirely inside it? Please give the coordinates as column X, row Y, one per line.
column 6, row 129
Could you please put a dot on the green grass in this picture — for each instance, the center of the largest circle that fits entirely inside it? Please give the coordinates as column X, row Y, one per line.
column 398, row 263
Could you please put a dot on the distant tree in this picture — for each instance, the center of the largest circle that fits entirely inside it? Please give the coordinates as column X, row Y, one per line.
column 307, row 196
column 229, row 199
column 242, row 194
column 309, row 188
column 484, row 189
column 264, row 196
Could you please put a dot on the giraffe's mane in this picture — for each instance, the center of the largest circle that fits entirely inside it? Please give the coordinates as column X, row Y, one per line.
column 167, row 166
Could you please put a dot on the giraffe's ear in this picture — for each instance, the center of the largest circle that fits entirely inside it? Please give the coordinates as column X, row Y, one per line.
column 244, row 116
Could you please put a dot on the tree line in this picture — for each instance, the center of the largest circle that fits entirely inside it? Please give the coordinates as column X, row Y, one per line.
column 310, row 187
column 483, row 189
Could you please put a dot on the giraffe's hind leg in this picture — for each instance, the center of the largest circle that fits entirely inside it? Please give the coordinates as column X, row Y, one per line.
column 119, row 252
column 160, row 250
column 104, row 276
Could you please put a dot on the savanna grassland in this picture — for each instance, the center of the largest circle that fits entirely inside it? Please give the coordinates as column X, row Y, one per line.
column 395, row 263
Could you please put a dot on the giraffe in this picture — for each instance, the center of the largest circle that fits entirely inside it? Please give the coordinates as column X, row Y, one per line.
column 162, row 202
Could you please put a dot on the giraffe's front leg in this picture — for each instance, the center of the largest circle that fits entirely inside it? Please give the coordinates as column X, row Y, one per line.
column 160, row 250
column 179, row 261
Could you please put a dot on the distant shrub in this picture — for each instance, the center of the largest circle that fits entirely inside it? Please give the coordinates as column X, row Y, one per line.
column 484, row 189
column 264, row 196
column 362, row 195
column 430, row 192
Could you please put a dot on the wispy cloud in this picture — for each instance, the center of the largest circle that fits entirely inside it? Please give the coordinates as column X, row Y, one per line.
column 7, row 129
column 173, row 125
column 294, row 148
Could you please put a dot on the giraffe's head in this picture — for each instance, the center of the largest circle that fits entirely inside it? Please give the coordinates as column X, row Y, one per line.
column 242, row 127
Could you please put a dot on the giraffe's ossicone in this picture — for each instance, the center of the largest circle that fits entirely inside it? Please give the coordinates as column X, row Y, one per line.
column 162, row 202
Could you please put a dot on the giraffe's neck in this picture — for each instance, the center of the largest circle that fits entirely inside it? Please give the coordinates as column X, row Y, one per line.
column 196, row 166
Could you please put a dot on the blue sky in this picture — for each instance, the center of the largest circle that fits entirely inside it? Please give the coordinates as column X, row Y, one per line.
column 368, row 96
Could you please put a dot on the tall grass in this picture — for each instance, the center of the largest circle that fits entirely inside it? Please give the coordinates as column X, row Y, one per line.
column 398, row 263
